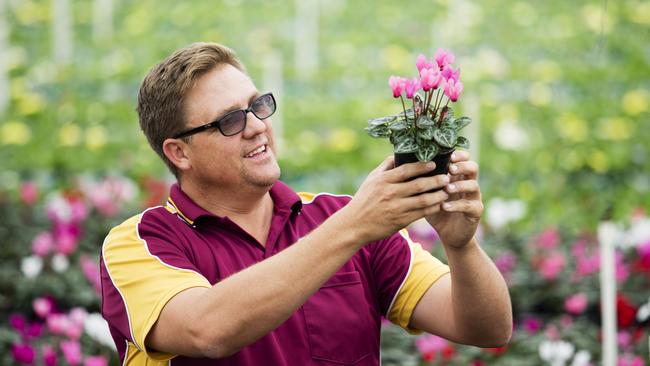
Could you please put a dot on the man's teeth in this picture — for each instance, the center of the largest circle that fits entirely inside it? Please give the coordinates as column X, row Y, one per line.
column 260, row 149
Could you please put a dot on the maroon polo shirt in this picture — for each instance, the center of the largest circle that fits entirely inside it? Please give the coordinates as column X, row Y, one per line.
column 164, row 250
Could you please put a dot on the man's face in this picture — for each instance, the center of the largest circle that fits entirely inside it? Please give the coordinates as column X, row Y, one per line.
column 228, row 162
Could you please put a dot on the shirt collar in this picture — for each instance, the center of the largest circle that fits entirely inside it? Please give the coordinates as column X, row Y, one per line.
column 284, row 198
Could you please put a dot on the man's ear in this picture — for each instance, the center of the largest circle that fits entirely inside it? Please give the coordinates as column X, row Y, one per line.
column 177, row 152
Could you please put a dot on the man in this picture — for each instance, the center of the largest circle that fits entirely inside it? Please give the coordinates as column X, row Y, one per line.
column 237, row 269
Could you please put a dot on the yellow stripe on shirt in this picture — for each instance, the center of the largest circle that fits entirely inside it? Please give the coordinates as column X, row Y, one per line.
column 144, row 281
column 425, row 270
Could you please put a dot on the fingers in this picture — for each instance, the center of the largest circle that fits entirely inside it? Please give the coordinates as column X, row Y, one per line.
column 468, row 168
column 423, row 184
column 459, row 155
column 471, row 208
column 425, row 200
column 406, row 171
column 470, row 188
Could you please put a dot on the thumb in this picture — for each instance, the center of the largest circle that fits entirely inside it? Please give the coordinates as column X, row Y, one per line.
column 387, row 164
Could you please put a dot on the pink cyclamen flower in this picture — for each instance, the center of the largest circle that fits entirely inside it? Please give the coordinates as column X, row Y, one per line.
column 42, row 306
column 17, row 322
column 622, row 270
column 411, row 86
column 58, row 323
column 42, row 244
column 28, row 193
column 90, row 269
column 444, row 57
column 423, row 63
column 453, row 90
column 49, row 355
column 448, row 73
column 549, row 239
column 23, row 353
column 430, row 344
column 430, row 78
column 506, row 262
column 71, row 352
column 551, row 266
column 576, row 304
column 95, row 361
column 630, row 360
column 396, row 84
column 532, row 325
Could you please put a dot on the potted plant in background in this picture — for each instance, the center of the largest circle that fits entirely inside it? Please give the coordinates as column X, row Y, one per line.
column 428, row 129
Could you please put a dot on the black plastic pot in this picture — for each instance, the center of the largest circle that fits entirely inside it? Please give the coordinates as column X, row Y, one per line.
column 441, row 160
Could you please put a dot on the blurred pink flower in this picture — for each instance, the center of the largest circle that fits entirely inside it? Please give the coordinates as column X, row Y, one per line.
column 95, row 361
column 22, row 353
column 622, row 270
column 28, row 193
column 552, row 333
column 42, row 306
column 58, row 323
column 17, row 322
column 444, row 57
column 548, row 239
column 90, row 269
column 576, row 304
column 624, row 339
column 431, row 79
column 630, row 360
column 422, row 63
column 429, row 345
column 506, row 262
column 33, row 330
column 74, row 331
column 532, row 325
column 78, row 315
column 411, row 86
column 42, row 244
column 71, row 352
column 396, row 84
column 453, row 90
column 551, row 266
column 587, row 261
column 49, row 355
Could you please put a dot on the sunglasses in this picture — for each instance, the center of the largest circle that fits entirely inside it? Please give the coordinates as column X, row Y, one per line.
column 235, row 122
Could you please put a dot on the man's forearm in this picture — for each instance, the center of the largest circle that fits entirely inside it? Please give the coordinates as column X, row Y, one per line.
column 249, row 304
column 480, row 299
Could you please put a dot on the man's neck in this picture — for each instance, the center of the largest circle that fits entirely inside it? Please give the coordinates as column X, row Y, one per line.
column 250, row 208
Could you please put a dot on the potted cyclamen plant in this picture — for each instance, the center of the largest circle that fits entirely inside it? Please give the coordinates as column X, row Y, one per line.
column 428, row 130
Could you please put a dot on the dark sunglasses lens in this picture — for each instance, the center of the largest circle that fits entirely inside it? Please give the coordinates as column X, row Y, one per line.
column 264, row 106
column 233, row 123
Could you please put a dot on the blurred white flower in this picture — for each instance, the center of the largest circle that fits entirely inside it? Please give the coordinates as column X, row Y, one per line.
column 581, row 358
column 57, row 208
column 556, row 353
column 31, row 266
column 97, row 328
column 510, row 136
column 644, row 312
column 60, row 263
column 639, row 232
column 500, row 212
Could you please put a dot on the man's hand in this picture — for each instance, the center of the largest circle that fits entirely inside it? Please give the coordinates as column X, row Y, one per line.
column 386, row 202
column 456, row 223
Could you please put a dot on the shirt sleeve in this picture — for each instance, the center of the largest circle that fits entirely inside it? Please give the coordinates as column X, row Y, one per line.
column 404, row 272
column 144, row 269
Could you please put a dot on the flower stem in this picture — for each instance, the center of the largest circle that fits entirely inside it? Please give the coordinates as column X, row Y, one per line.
column 403, row 107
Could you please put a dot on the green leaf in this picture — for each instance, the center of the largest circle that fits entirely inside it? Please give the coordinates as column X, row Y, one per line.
column 426, row 153
column 409, row 115
column 399, row 125
column 461, row 123
column 378, row 131
column 424, row 122
column 406, row 145
column 426, row 134
column 445, row 137
column 462, row 142
column 381, row 121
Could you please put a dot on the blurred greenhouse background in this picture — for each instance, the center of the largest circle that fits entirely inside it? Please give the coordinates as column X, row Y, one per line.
column 559, row 92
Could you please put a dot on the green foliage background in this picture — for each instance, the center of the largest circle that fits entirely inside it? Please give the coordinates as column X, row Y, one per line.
column 573, row 75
